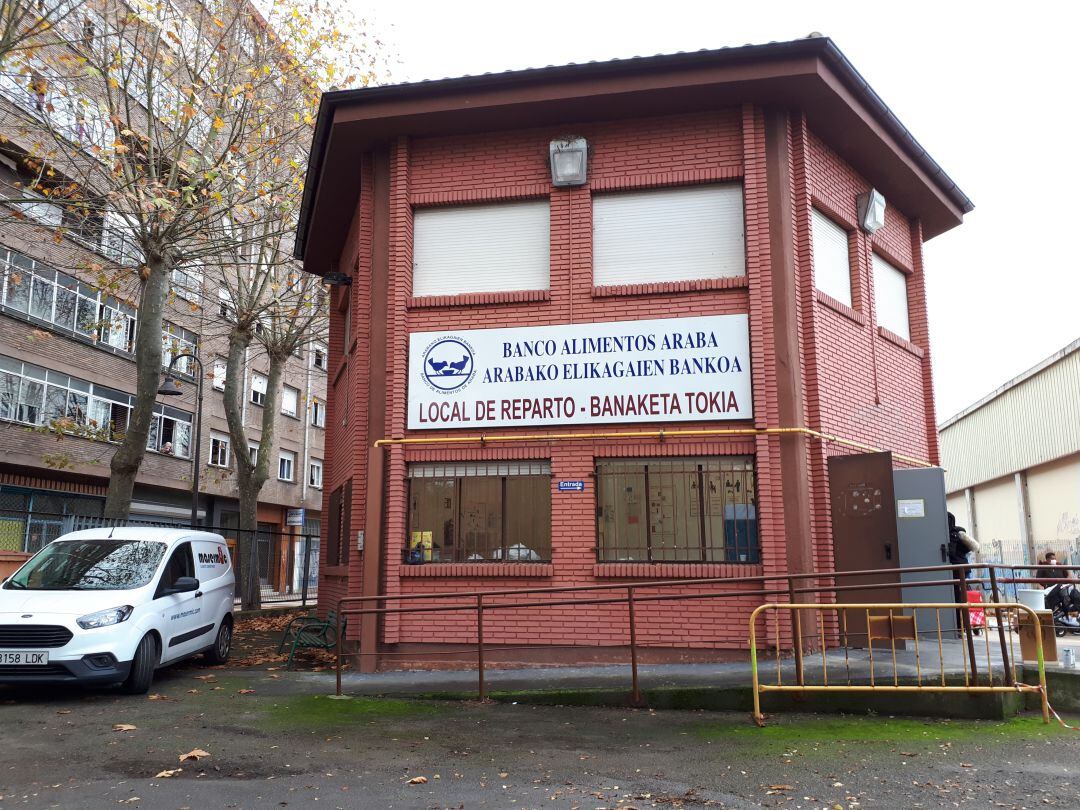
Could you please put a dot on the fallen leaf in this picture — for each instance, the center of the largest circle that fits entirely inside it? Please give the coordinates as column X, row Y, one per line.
column 418, row 780
column 781, row 787
column 132, row 800
column 156, row 696
column 167, row 774
column 245, row 691
column 205, row 677
column 124, row 727
column 63, row 711
column 195, row 754
column 193, row 691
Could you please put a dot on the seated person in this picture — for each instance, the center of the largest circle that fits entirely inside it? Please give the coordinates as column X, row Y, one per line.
column 1063, row 594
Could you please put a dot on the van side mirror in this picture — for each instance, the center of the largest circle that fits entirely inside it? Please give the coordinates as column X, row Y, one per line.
column 182, row 585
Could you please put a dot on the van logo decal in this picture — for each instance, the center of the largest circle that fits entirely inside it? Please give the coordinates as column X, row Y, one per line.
column 217, row 558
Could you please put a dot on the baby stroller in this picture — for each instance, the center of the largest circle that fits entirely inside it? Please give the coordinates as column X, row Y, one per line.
column 1064, row 601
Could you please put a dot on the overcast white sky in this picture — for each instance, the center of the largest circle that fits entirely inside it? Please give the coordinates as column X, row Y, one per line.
column 989, row 91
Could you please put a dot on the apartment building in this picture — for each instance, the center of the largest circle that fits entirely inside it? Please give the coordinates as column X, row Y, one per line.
column 67, row 373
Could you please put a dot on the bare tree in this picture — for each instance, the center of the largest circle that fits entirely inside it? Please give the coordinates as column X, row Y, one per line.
column 159, row 132
column 273, row 309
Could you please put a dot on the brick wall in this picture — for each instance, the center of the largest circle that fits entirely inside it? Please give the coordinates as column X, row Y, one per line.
column 859, row 382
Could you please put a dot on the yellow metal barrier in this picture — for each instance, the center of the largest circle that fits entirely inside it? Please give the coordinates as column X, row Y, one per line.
column 887, row 622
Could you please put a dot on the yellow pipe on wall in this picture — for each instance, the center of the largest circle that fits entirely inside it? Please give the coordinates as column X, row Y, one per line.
column 650, row 434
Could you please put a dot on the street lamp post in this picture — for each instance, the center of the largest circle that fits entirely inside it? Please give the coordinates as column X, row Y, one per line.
column 169, row 388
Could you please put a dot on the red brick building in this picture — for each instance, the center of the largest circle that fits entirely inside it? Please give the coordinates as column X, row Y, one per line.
column 708, row 281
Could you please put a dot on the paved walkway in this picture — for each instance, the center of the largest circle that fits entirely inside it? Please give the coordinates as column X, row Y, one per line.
column 615, row 676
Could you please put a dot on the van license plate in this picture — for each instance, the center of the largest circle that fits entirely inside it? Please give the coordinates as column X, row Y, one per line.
column 24, row 657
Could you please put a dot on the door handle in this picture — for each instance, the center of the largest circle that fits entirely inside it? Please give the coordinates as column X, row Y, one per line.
column 198, row 594
column 888, row 551
column 944, row 553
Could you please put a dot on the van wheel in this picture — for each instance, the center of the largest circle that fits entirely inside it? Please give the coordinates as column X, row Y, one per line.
column 219, row 653
column 142, row 667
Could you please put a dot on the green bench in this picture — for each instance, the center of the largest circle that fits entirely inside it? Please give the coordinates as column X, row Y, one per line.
column 310, row 632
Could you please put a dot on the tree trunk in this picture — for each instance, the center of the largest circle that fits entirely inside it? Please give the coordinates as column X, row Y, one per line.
column 249, row 477
column 129, row 455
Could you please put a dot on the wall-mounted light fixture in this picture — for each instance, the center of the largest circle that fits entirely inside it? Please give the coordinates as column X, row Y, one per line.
column 338, row 279
column 569, row 161
column 871, row 205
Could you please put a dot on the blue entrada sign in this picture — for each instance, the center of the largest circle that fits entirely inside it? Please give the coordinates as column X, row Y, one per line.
column 571, row 486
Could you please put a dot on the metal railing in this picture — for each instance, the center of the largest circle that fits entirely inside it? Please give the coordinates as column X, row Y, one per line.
column 796, row 588
column 893, row 627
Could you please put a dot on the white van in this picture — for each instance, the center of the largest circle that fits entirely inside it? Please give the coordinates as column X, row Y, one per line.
column 111, row 605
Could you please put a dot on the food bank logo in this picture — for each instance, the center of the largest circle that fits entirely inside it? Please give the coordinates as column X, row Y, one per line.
column 448, row 365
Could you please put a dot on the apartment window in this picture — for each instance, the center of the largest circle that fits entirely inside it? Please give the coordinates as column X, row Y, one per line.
column 832, row 267
column 188, row 282
column 497, row 512
column 891, row 297
column 219, row 450
column 220, row 370
column 677, row 510
column 170, row 432
column 290, row 398
column 175, row 341
column 253, row 454
column 669, row 234
column 318, row 357
column 225, row 305
column 481, row 248
column 318, row 413
column 45, row 295
column 258, row 388
column 286, row 466
column 315, row 470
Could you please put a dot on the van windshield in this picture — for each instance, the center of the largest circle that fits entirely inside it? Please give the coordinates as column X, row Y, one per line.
column 90, row 565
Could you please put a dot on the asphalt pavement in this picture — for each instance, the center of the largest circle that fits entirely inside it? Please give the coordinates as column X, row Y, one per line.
column 262, row 738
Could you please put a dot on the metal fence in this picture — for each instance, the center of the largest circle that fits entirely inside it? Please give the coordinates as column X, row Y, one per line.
column 287, row 563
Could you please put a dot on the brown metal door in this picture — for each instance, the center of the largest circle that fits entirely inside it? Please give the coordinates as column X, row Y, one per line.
column 864, row 531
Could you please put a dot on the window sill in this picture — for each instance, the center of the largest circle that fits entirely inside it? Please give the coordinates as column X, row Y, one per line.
column 906, row 345
column 670, row 287
column 840, row 307
column 673, row 570
column 493, row 569
column 474, row 299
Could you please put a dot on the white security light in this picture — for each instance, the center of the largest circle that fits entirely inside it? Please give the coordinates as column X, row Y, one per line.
column 569, row 161
column 871, row 206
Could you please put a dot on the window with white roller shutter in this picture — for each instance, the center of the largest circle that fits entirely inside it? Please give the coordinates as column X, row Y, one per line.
column 832, row 267
column 481, row 248
column 669, row 234
column 258, row 388
column 891, row 298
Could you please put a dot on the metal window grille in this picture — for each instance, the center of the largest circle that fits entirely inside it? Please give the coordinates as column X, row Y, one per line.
column 677, row 510
column 497, row 511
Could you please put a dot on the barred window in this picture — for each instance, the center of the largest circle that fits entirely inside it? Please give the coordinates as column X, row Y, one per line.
column 677, row 510
column 482, row 512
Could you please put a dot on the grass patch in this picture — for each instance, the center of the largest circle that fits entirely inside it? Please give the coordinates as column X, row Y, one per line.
column 319, row 711
column 787, row 731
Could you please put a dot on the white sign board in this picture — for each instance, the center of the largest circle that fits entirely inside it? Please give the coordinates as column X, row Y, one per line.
column 910, row 508
column 664, row 370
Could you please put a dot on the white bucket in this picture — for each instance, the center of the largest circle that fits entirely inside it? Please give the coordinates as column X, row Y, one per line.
column 1033, row 598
